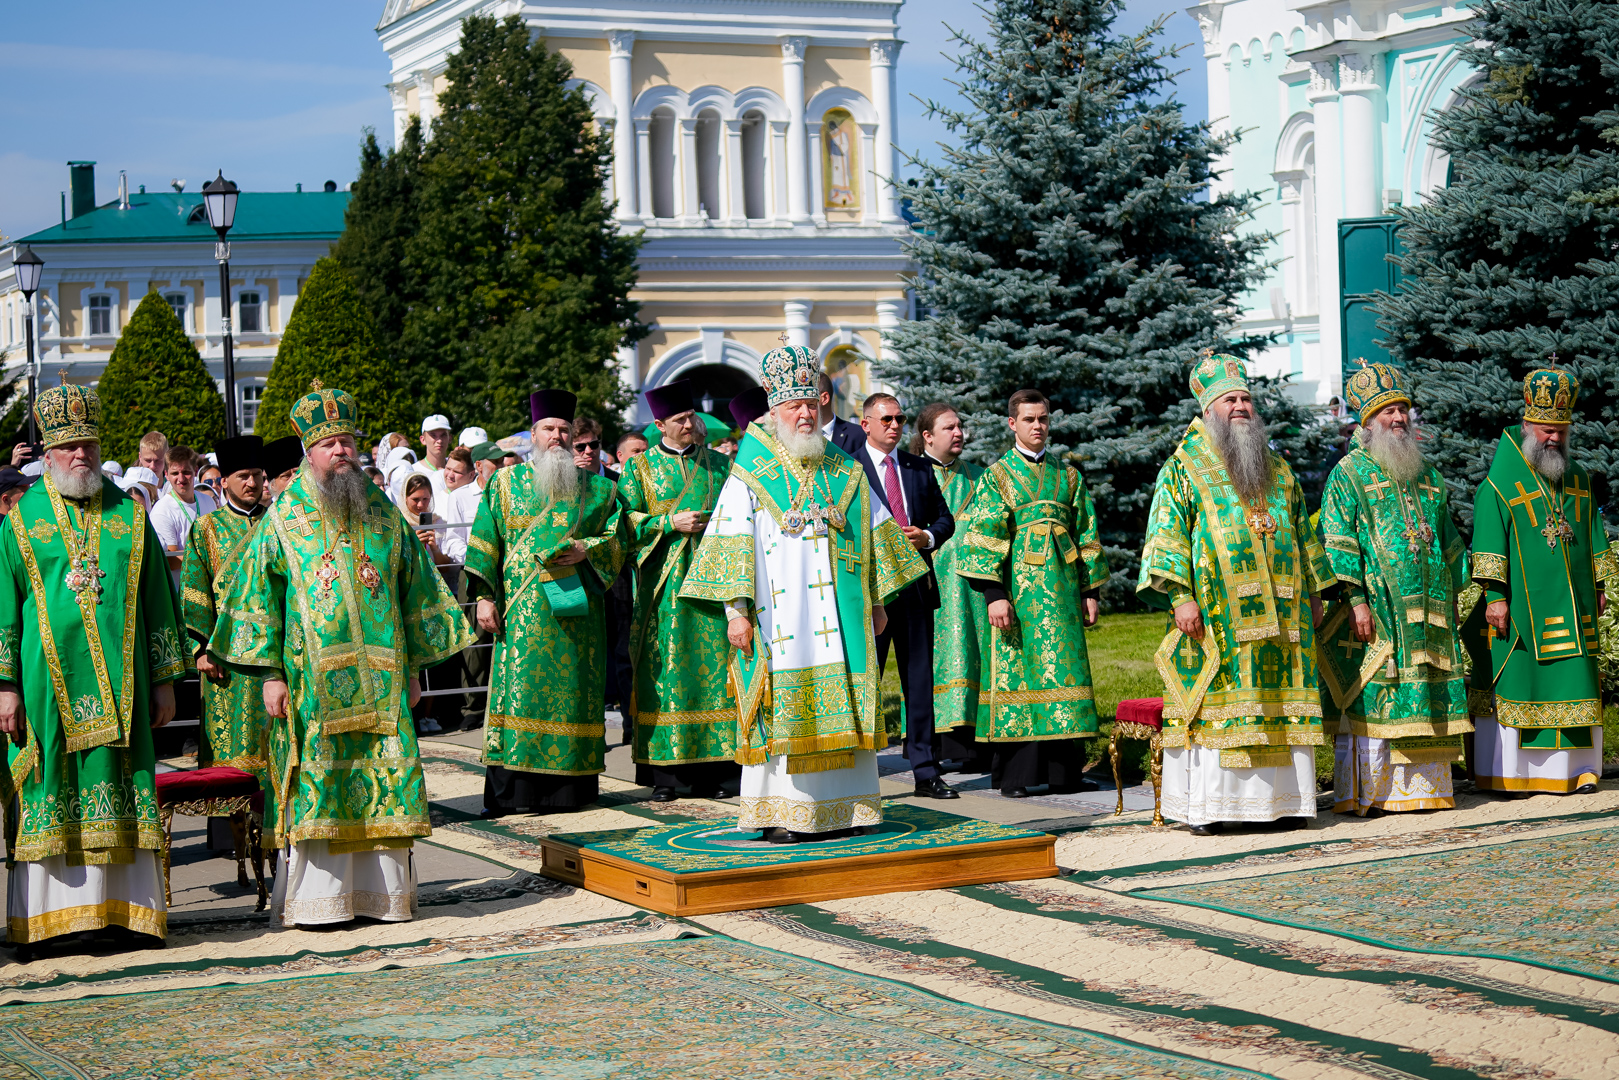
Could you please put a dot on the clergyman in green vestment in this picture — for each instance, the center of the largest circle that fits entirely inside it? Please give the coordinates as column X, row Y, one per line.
column 1231, row 552
column 234, row 724
column 338, row 607
column 1392, row 686
column 89, row 650
column 1541, row 554
column 685, row 717
column 1031, row 550
column 546, row 544
column 961, row 630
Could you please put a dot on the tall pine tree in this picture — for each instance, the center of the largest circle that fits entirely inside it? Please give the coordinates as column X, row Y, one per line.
column 1514, row 261
column 1069, row 243
column 382, row 216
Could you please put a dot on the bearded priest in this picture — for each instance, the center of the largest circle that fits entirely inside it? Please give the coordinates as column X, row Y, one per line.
column 546, row 545
column 802, row 558
column 1231, row 552
column 1393, row 688
column 1542, row 557
column 89, row 651
column 337, row 605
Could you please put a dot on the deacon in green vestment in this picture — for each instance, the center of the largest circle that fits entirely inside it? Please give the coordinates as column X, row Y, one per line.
column 685, row 718
column 234, row 724
column 961, row 628
column 1392, row 686
column 802, row 559
column 547, row 542
column 1541, row 554
column 89, row 650
column 337, row 605
column 1231, row 552
column 1031, row 550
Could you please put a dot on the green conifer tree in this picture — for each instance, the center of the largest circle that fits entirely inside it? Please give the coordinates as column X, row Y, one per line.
column 330, row 338
column 1514, row 261
column 381, row 217
column 519, row 276
column 156, row 381
column 1068, row 243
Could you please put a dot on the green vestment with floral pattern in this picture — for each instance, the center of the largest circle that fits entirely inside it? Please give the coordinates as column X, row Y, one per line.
column 1543, row 673
column 961, row 625
column 683, row 712
column 548, row 683
column 85, row 660
column 1250, row 688
column 347, row 613
column 1031, row 528
column 234, row 723
column 1394, row 548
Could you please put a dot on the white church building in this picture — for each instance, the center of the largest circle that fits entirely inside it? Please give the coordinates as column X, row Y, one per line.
column 1334, row 100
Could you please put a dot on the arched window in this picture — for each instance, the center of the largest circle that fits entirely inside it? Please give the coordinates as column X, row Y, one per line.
column 708, row 164
column 661, row 149
column 840, row 164
column 754, row 134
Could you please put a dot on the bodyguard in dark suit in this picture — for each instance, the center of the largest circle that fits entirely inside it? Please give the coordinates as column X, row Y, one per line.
column 905, row 484
column 842, row 434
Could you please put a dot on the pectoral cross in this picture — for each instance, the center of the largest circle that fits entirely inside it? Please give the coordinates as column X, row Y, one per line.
column 826, row 631
column 1574, row 489
column 1189, row 653
column 818, row 585
column 781, row 638
column 301, row 520
column 1526, row 499
column 1378, row 489
column 1349, row 645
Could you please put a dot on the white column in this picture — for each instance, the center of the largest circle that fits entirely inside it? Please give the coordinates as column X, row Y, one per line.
column 396, row 97
column 1293, row 269
column 1323, row 98
column 777, row 184
column 1208, row 21
column 868, row 175
column 890, row 313
column 686, row 171
column 884, row 163
column 643, row 172
column 792, row 90
column 426, row 100
column 629, row 366
column 735, row 211
column 817, row 195
column 621, row 47
column 795, row 314
column 1357, row 104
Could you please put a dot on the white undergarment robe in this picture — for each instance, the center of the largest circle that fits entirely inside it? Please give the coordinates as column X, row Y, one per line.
column 1199, row 791
column 47, row 898
column 1364, row 776
column 317, row 888
column 1500, row 764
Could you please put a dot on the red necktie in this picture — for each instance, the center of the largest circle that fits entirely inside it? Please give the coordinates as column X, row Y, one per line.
column 896, row 502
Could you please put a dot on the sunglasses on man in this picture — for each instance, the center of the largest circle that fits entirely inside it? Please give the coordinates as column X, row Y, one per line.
column 585, row 447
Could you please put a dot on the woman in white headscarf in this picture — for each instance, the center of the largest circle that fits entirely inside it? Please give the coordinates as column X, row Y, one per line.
column 141, row 483
column 396, row 467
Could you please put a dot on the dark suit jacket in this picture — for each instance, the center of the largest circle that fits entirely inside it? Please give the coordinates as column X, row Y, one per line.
column 846, row 436
column 928, row 510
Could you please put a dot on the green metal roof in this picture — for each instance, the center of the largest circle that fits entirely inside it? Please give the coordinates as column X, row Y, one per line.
column 159, row 218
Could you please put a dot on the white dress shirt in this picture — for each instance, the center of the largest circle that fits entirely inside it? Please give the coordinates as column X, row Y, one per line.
column 172, row 520
column 878, row 461
column 461, row 508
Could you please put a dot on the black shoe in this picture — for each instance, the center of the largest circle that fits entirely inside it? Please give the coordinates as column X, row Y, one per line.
column 1015, row 793
column 935, row 789
column 1585, row 789
column 664, row 794
column 491, row 815
column 723, row 793
column 1213, row 828
column 1291, row 824
column 780, row 836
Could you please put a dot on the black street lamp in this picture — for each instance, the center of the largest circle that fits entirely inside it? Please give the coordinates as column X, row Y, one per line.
column 219, row 195
column 28, row 267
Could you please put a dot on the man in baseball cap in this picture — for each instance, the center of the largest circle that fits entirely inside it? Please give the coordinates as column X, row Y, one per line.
column 435, row 452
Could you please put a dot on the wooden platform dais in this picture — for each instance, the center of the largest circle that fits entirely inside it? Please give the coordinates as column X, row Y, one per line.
column 697, row 868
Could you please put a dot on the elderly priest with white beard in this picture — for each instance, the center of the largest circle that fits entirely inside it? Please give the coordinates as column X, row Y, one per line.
column 1231, row 552
column 802, row 558
column 1393, row 689
column 89, row 650
column 1542, row 556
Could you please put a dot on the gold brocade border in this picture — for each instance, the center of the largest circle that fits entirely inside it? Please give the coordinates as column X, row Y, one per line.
column 532, row 725
column 145, row 836
column 1488, row 567
column 774, row 811
column 1544, row 785
column 955, row 684
column 352, row 831
column 1255, row 758
column 1405, row 729
column 74, row 920
column 1548, row 714
column 735, row 557
column 709, row 716
column 1606, row 566
column 1056, row 694
column 1304, row 707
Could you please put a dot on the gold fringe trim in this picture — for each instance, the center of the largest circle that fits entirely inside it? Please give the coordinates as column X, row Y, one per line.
column 384, row 843
column 813, row 763
column 1267, row 758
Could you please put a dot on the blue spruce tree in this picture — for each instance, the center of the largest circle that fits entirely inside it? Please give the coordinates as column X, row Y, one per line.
column 1070, row 243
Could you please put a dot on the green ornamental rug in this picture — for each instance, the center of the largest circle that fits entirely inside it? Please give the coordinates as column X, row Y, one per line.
column 1550, row 902
column 709, row 1007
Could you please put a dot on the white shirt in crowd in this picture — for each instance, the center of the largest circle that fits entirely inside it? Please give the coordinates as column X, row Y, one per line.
column 172, row 520
column 460, row 507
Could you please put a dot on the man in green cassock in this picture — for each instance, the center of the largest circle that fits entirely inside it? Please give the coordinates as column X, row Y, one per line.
column 1031, row 550
column 547, row 542
column 1392, row 685
column 338, row 607
column 1231, row 552
column 802, row 559
column 234, row 723
column 685, row 718
column 961, row 641
column 1542, row 557
column 89, row 651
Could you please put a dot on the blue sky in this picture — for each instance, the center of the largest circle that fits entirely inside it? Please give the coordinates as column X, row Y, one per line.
column 276, row 95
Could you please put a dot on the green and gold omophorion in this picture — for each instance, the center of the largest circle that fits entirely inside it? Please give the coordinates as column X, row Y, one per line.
column 1250, row 689
column 234, row 723
column 1542, row 548
column 684, row 715
column 347, row 613
column 961, row 625
column 1031, row 529
column 548, row 684
column 88, row 626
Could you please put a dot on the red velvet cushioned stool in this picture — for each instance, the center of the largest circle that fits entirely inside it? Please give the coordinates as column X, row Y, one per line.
column 1140, row 718
column 217, row 792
